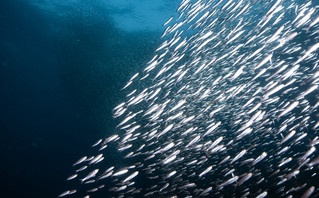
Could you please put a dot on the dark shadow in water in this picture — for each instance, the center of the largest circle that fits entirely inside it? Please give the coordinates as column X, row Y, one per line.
column 60, row 77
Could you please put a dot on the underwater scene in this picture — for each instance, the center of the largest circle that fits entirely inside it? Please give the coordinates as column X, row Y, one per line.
column 203, row 98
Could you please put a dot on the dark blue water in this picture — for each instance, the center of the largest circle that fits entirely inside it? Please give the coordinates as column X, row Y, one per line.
column 62, row 66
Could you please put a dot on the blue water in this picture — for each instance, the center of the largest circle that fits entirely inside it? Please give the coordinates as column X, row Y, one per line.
column 62, row 65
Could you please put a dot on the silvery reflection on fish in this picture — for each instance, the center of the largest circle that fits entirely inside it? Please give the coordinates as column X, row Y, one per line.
column 227, row 107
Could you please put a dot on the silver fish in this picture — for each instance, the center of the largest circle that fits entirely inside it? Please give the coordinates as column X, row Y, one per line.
column 227, row 104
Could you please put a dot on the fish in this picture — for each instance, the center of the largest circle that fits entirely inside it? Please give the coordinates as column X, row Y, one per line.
column 226, row 107
column 259, row 158
column 308, row 192
column 205, row 171
column 130, row 176
column 90, row 175
column 72, row 177
column 228, row 182
column 285, row 162
column 121, row 172
column 238, row 156
column 244, row 179
column 82, row 159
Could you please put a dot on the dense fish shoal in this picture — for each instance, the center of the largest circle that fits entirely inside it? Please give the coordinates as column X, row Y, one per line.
column 227, row 107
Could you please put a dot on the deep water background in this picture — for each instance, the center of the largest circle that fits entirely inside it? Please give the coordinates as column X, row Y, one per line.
column 62, row 65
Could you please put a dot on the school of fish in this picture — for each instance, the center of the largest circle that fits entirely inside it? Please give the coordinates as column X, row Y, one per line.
column 227, row 107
